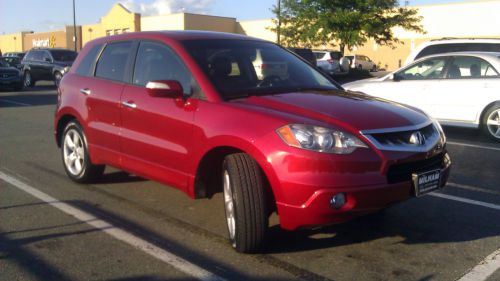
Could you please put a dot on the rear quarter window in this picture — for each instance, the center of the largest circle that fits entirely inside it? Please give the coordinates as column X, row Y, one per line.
column 86, row 66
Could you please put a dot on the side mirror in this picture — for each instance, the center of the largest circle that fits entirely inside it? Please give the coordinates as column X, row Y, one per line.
column 47, row 60
column 165, row 88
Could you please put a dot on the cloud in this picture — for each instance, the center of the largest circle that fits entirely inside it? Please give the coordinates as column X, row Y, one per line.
column 162, row 7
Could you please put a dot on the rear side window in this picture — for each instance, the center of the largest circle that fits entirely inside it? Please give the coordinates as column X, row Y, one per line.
column 112, row 63
column 458, row 47
column 86, row 66
column 320, row 55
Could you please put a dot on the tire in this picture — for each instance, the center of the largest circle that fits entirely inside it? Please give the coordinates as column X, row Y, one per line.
column 76, row 161
column 374, row 68
column 491, row 122
column 28, row 79
column 245, row 203
column 57, row 78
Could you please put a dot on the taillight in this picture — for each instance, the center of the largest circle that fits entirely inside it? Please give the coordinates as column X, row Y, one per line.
column 330, row 61
column 263, row 66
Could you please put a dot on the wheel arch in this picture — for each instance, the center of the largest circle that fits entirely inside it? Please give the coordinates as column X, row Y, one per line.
column 208, row 176
column 485, row 109
column 61, row 124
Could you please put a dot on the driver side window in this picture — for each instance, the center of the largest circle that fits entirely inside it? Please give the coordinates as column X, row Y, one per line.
column 155, row 61
column 428, row 69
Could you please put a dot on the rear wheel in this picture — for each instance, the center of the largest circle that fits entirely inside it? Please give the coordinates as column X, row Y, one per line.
column 491, row 122
column 245, row 203
column 75, row 155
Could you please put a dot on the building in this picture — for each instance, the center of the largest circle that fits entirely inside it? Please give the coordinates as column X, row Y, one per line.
column 459, row 20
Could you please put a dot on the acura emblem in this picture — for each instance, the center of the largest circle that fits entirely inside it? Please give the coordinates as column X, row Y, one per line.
column 417, row 138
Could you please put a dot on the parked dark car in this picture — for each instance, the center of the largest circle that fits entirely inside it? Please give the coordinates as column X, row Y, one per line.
column 10, row 76
column 19, row 55
column 46, row 64
column 190, row 110
column 306, row 54
column 13, row 61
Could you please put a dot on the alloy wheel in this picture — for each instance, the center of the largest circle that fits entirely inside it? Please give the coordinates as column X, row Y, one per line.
column 27, row 79
column 493, row 123
column 74, row 155
column 229, row 206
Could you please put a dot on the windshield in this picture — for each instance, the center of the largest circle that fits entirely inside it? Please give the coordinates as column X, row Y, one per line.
column 60, row 55
column 7, row 62
column 241, row 68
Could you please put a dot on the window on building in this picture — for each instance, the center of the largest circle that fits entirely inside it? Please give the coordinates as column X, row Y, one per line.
column 111, row 64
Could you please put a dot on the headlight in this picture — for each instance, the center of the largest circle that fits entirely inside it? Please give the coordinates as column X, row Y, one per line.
column 440, row 130
column 319, row 139
column 65, row 69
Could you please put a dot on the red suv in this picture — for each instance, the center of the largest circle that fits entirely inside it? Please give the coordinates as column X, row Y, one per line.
column 190, row 110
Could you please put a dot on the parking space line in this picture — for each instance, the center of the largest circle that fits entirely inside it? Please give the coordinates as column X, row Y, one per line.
column 14, row 102
column 474, row 145
column 120, row 234
column 484, row 269
column 472, row 188
column 465, row 200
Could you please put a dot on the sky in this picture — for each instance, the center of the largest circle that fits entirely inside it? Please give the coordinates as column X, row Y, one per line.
column 45, row 15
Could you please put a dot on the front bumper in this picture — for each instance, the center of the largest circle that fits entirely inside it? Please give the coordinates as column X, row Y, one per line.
column 305, row 200
column 15, row 81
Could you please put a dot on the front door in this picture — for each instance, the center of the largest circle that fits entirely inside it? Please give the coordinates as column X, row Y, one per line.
column 157, row 131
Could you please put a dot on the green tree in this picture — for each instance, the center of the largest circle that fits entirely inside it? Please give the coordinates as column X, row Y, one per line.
column 348, row 23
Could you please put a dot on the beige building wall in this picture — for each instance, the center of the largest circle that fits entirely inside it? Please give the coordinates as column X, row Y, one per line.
column 257, row 28
column 165, row 22
column 186, row 21
column 12, row 42
column 478, row 19
column 212, row 23
column 118, row 20
column 52, row 39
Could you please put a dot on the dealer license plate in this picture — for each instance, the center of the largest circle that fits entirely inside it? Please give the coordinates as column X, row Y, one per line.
column 426, row 182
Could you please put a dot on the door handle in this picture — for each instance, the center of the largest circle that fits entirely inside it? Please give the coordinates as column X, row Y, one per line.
column 130, row 104
column 85, row 91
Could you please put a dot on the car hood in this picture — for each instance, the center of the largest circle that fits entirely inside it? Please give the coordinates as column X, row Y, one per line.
column 9, row 70
column 350, row 110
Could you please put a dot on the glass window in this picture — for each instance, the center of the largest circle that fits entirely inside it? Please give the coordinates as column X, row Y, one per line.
column 156, row 61
column 320, row 55
column 86, row 66
column 458, row 47
column 470, row 67
column 46, row 56
column 63, row 55
column 427, row 69
column 263, row 68
column 111, row 64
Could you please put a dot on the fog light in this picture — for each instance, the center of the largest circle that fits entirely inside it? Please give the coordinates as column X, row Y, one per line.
column 337, row 201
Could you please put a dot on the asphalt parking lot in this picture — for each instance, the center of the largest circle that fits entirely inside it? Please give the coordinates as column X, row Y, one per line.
column 129, row 228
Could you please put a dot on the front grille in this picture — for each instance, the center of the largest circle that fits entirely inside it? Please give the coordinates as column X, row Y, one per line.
column 403, row 138
column 7, row 75
column 402, row 172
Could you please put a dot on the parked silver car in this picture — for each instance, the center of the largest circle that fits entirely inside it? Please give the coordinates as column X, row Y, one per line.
column 361, row 62
column 331, row 62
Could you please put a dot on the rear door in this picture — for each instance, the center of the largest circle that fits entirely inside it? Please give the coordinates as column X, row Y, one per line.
column 157, row 131
column 103, row 93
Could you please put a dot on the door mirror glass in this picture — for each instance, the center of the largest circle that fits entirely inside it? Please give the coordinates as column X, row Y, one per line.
column 396, row 77
column 165, row 88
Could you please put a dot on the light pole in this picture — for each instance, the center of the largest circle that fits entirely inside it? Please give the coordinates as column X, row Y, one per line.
column 279, row 22
column 74, row 24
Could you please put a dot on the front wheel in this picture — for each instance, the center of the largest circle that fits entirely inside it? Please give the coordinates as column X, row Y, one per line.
column 491, row 122
column 28, row 80
column 75, row 155
column 245, row 203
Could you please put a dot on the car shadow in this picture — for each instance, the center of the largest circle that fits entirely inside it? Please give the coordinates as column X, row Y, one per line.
column 457, row 134
column 118, row 177
column 418, row 221
column 21, row 99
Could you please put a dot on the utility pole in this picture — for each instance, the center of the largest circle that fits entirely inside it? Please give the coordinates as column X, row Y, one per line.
column 279, row 22
column 74, row 25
